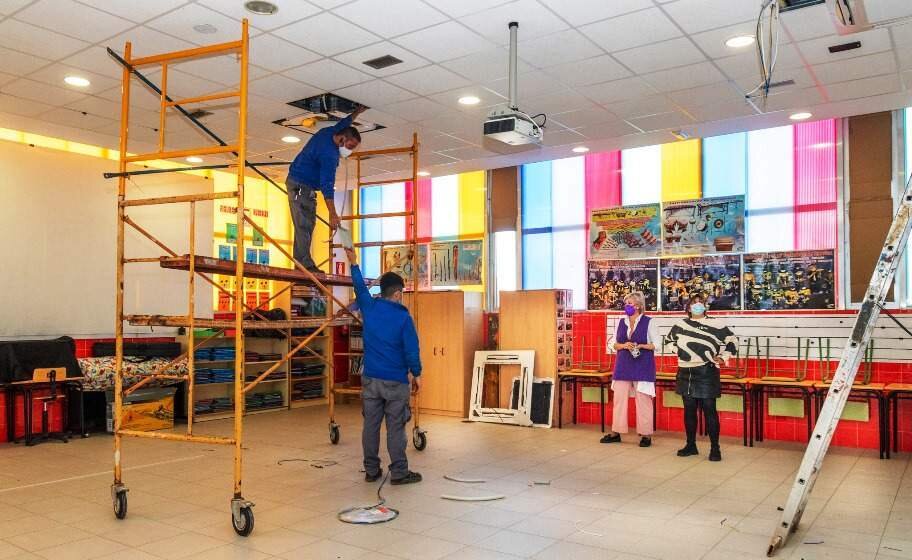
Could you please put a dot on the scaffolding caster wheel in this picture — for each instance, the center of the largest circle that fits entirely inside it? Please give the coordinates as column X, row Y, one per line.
column 334, row 434
column 774, row 546
column 119, row 497
column 419, row 439
column 242, row 517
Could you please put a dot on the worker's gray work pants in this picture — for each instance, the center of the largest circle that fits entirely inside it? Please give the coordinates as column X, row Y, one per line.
column 389, row 399
column 303, row 203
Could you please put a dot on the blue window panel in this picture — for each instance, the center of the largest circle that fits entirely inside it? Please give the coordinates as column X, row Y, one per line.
column 536, row 195
column 537, row 261
column 371, row 203
column 725, row 165
column 370, row 262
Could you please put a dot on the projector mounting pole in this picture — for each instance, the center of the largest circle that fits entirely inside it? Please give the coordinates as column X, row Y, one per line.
column 514, row 29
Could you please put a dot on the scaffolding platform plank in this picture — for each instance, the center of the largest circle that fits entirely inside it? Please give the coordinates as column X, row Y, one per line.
column 184, row 321
column 261, row 271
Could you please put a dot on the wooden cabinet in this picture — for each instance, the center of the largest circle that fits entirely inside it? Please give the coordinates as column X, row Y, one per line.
column 450, row 331
column 539, row 320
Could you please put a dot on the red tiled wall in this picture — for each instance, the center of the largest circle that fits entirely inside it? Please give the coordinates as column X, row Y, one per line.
column 589, row 352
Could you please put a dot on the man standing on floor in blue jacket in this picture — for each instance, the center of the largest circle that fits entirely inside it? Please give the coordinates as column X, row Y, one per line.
column 390, row 353
column 314, row 169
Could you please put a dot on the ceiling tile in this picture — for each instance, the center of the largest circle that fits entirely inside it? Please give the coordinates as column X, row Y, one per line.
column 356, row 59
column 446, row 41
column 55, row 73
column 558, row 48
column 7, row 78
column 791, row 100
column 415, row 110
column 699, row 15
column 133, row 10
column 265, row 109
column 289, row 11
column 436, row 158
column 660, row 56
column 642, row 107
column 581, row 117
column 528, row 84
column 180, row 23
column 488, row 98
column 856, row 68
column 607, row 130
column 888, row 9
column 661, row 121
column 96, row 60
column 328, row 74
column 581, row 12
column 280, row 88
column 721, row 93
column 467, row 153
column 454, row 124
column 276, row 54
column 867, row 87
column 685, row 77
column 429, row 80
column 36, row 41
column 375, row 93
column 590, row 71
column 9, row 6
column 76, row 119
column 618, row 90
column 486, row 66
column 535, row 21
column 19, row 106
column 798, row 75
column 97, row 106
column 390, row 17
column 75, row 20
column 223, row 69
column 438, row 142
column 39, row 91
column 713, row 42
column 721, row 111
column 555, row 103
column 632, row 30
column 561, row 137
column 146, row 41
column 21, row 63
column 808, row 23
column 873, row 41
column 745, row 64
column 326, row 34
column 460, row 8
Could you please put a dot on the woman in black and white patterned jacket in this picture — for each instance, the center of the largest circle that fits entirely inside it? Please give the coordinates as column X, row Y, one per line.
column 703, row 346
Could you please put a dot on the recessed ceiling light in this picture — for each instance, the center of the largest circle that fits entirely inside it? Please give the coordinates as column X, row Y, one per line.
column 801, row 116
column 740, row 41
column 424, row 174
column 291, row 139
column 194, row 159
column 469, row 100
column 77, row 81
column 581, row 149
column 205, row 28
column 261, row 8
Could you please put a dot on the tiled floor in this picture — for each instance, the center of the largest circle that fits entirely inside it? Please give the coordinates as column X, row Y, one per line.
column 604, row 502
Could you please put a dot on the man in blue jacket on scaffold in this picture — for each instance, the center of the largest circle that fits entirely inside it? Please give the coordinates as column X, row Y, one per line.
column 390, row 354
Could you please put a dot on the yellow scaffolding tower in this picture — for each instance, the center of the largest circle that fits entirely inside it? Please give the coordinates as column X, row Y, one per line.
column 241, row 509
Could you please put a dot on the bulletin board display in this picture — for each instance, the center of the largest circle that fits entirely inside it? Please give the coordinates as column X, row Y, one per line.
column 716, row 278
column 625, row 232
column 610, row 281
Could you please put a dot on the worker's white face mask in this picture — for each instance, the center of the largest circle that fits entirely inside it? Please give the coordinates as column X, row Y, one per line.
column 344, row 152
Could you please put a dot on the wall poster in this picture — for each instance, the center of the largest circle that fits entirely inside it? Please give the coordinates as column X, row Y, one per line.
column 789, row 280
column 717, row 278
column 611, row 280
column 396, row 259
column 456, row 263
column 625, row 232
column 708, row 225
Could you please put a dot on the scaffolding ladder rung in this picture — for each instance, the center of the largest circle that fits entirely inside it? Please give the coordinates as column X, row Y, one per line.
column 177, row 437
column 384, row 152
column 203, row 98
column 383, row 182
column 375, row 243
column 179, row 198
column 208, row 50
column 209, row 150
column 141, row 260
column 184, row 321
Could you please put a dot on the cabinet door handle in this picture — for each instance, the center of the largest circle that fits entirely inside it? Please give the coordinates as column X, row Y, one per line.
column 441, row 351
column 435, row 350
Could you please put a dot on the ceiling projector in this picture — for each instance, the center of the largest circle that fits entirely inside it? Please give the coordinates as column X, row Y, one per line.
column 507, row 123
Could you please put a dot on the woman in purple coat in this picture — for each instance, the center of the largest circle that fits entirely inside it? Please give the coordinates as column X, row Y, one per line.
column 634, row 371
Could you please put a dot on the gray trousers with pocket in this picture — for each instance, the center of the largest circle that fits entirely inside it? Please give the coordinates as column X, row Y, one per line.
column 303, row 203
column 385, row 399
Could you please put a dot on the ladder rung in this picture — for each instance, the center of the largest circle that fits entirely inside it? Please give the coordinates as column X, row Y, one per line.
column 383, row 182
column 208, row 50
column 182, row 153
column 179, row 198
column 177, row 437
column 203, row 98
column 374, row 216
column 383, row 152
column 375, row 243
column 155, row 260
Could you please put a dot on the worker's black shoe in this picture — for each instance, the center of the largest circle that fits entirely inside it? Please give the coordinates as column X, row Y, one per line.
column 410, row 478
column 688, row 450
column 645, row 441
column 368, row 477
column 715, row 454
column 611, row 438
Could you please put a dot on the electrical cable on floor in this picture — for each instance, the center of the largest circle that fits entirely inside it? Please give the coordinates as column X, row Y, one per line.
column 464, row 480
column 315, row 463
column 370, row 515
column 473, row 498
